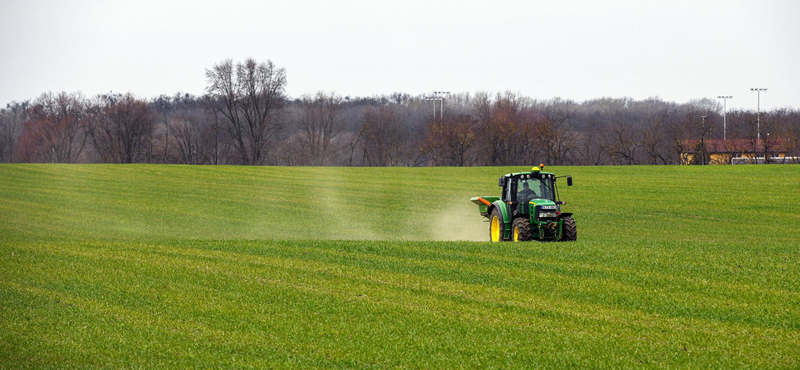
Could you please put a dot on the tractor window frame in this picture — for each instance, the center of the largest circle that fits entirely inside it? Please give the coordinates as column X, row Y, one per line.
column 512, row 193
column 507, row 190
column 555, row 190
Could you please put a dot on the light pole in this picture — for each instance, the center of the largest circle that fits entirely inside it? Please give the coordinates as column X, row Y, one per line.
column 702, row 140
column 725, row 115
column 438, row 96
column 434, row 100
column 441, row 100
column 758, row 117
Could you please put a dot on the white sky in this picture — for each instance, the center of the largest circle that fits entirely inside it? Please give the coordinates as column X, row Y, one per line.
column 678, row 50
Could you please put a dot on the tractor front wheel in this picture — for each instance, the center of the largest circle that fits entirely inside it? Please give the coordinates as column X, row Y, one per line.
column 521, row 230
column 495, row 226
column 569, row 231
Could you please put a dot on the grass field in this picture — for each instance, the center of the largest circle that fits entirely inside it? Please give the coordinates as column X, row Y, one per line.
column 251, row 267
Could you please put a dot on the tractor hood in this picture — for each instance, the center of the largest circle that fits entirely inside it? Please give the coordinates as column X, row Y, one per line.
column 542, row 202
column 545, row 204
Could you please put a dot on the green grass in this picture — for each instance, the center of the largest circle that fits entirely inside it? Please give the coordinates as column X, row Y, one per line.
column 237, row 267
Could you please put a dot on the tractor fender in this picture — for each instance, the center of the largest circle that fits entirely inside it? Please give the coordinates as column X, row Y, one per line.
column 503, row 210
column 565, row 214
column 503, row 214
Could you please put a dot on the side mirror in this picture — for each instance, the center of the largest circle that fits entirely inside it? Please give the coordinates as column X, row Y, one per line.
column 569, row 180
column 501, row 182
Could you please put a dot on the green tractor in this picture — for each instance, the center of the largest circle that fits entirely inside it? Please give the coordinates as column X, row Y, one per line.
column 528, row 209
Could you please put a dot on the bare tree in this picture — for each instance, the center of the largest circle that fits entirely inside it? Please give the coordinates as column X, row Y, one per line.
column 653, row 139
column 507, row 126
column 593, row 144
column 188, row 130
column 159, row 143
column 355, row 136
column 320, row 122
column 382, row 137
column 191, row 131
column 450, row 140
column 490, row 130
column 121, row 126
column 56, row 128
column 623, row 144
column 219, row 144
column 555, row 137
column 751, row 134
column 697, row 128
column 11, row 120
column 793, row 135
column 4, row 142
column 252, row 99
column 771, row 132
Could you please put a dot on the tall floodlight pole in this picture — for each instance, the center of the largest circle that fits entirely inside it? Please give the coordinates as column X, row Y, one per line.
column 433, row 99
column 441, row 95
column 725, row 115
column 438, row 96
column 702, row 140
column 758, row 117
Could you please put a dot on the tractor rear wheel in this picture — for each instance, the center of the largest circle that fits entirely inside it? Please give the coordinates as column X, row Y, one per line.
column 495, row 226
column 569, row 231
column 521, row 230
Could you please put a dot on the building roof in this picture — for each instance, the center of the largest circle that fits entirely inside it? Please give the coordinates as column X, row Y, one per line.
column 736, row 145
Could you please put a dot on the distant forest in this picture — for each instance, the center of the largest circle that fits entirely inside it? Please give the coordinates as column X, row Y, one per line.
column 246, row 118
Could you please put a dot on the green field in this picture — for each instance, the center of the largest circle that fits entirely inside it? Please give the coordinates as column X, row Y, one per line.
column 259, row 267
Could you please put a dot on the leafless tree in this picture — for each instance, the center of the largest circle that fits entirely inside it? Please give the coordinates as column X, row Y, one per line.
column 555, row 136
column 593, row 147
column 450, row 140
column 320, row 122
column 489, row 129
column 653, row 138
column 121, row 126
column 188, row 130
column 792, row 129
column 252, row 100
column 507, row 126
column 771, row 132
column 56, row 128
column 700, row 127
column 750, row 132
column 382, row 137
column 160, row 144
column 623, row 144
column 219, row 144
column 11, row 119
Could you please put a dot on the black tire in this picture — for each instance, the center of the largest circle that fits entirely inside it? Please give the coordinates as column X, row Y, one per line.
column 501, row 227
column 521, row 229
column 569, row 231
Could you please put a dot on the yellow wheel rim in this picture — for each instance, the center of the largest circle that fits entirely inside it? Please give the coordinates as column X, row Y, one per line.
column 495, row 229
column 516, row 234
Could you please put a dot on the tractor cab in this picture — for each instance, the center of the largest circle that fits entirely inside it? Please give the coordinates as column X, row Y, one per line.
column 521, row 189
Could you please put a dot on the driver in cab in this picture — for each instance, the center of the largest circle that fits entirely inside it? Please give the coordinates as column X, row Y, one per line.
column 526, row 194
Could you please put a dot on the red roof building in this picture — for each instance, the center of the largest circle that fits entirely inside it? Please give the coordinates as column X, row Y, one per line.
column 734, row 151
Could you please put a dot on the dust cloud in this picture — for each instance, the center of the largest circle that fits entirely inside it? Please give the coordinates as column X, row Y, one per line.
column 460, row 222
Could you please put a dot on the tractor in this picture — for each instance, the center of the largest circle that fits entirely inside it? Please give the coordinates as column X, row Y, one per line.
column 528, row 209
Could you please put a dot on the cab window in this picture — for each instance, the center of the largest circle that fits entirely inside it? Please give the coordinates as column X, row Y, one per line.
column 528, row 189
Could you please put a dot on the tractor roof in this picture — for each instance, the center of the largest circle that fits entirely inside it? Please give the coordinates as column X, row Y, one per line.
column 528, row 173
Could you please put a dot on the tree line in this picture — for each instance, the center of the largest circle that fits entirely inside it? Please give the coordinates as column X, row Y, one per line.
column 246, row 118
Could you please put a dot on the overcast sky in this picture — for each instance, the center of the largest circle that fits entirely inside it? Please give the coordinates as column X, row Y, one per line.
column 677, row 50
